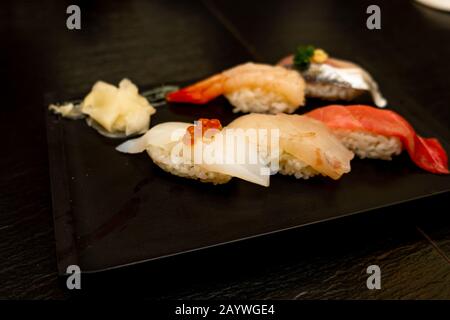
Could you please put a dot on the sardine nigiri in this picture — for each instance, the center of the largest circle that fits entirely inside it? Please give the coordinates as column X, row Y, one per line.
column 330, row 78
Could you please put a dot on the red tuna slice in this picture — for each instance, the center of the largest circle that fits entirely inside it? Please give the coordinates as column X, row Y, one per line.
column 427, row 153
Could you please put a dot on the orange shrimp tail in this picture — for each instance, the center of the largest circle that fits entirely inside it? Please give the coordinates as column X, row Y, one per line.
column 199, row 93
column 185, row 96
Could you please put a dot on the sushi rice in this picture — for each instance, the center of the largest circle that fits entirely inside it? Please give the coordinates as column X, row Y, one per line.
column 259, row 101
column 369, row 145
column 162, row 158
column 291, row 166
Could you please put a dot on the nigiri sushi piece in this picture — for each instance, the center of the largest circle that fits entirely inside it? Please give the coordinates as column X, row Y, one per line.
column 330, row 78
column 249, row 87
column 306, row 147
column 381, row 134
column 172, row 146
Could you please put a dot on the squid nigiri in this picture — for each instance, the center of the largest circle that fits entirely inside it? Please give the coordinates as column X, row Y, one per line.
column 249, row 87
column 380, row 134
column 172, row 146
column 330, row 78
column 306, row 146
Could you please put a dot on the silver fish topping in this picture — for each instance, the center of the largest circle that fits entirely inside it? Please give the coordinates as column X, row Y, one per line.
column 336, row 79
column 354, row 77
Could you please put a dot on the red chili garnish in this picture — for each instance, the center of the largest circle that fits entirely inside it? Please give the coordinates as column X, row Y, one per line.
column 206, row 124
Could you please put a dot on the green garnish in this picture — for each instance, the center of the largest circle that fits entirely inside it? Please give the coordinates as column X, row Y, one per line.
column 302, row 58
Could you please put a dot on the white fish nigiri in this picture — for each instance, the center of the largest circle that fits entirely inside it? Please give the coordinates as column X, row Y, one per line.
column 306, row 148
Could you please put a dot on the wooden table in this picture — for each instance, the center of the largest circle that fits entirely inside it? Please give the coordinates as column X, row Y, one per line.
column 156, row 41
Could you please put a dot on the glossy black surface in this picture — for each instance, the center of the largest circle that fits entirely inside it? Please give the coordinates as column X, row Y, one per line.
column 124, row 209
column 119, row 209
column 45, row 62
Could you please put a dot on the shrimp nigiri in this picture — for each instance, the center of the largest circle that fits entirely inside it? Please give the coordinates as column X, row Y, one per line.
column 330, row 78
column 249, row 87
column 306, row 146
column 380, row 134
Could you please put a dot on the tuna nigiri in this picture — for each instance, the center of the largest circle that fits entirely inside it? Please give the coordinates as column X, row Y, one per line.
column 249, row 87
column 381, row 134
column 306, row 146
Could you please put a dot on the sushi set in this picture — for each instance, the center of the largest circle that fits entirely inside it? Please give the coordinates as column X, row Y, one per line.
column 201, row 141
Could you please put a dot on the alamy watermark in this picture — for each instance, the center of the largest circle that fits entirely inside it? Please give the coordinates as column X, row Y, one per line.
column 374, row 280
column 74, row 277
column 73, row 21
column 373, row 22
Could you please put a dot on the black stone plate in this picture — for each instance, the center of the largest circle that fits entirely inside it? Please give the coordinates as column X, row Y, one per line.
column 113, row 209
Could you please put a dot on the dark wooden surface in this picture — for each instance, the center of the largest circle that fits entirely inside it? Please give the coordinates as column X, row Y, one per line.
column 157, row 41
